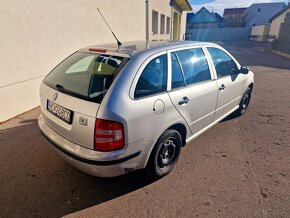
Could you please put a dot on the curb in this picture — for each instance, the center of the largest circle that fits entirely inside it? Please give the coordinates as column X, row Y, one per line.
column 281, row 54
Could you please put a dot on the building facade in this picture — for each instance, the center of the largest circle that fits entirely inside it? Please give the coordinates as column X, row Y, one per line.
column 204, row 19
column 36, row 35
column 260, row 33
column 235, row 17
column 277, row 22
column 260, row 14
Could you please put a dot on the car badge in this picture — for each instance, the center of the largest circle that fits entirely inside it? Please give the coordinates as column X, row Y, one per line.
column 55, row 96
column 83, row 120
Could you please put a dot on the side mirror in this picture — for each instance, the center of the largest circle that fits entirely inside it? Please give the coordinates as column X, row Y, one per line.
column 244, row 70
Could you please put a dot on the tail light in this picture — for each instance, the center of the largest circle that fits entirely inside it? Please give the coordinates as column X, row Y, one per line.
column 109, row 135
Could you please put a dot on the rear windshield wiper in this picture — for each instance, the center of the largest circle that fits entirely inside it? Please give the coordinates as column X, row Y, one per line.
column 59, row 87
column 64, row 90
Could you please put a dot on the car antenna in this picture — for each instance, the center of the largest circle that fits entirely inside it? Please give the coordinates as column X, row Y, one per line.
column 119, row 43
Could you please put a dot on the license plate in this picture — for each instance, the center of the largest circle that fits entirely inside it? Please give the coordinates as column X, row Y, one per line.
column 59, row 111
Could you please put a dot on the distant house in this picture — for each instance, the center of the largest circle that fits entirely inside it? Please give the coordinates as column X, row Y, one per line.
column 189, row 16
column 235, row 17
column 277, row 23
column 259, row 14
column 204, row 19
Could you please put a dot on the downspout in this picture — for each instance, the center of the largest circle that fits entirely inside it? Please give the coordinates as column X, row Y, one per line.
column 147, row 19
column 171, row 23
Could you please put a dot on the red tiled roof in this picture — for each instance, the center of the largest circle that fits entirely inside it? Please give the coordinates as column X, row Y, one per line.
column 231, row 11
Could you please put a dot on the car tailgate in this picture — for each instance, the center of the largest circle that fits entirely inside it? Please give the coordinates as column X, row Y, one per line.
column 80, row 129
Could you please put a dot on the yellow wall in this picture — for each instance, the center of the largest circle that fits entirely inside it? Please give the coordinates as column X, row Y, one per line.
column 260, row 31
column 276, row 24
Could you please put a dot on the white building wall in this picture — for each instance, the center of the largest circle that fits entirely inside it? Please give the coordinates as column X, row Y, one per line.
column 183, row 26
column 158, row 6
column 36, row 35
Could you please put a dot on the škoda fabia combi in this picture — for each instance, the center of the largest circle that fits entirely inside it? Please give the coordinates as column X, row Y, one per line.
column 109, row 110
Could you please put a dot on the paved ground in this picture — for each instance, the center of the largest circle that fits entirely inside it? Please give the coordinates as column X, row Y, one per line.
column 239, row 168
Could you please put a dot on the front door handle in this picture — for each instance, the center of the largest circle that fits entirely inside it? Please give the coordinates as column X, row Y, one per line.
column 222, row 87
column 183, row 101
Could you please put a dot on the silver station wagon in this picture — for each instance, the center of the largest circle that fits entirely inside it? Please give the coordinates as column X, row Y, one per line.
column 110, row 110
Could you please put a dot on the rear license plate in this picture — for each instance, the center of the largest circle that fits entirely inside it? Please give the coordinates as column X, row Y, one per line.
column 59, row 111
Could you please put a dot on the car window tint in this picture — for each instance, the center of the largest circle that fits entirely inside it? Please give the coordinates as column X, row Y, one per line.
column 80, row 66
column 224, row 64
column 86, row 75
column 153, row 79
column 177, row 76
column 194, row 65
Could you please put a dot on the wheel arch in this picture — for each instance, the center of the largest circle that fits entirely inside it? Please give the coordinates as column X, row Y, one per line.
column 179, row 127
column 251, row 86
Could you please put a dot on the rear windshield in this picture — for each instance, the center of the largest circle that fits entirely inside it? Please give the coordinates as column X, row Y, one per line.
column 86, row 75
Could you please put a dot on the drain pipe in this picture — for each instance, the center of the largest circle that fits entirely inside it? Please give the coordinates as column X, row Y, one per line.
column 147, row 19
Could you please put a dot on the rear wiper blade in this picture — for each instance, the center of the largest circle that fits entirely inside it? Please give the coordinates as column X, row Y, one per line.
column 59, row 87
column 64, row 90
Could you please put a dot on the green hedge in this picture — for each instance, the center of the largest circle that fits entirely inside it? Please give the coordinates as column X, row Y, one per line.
column 281, row 45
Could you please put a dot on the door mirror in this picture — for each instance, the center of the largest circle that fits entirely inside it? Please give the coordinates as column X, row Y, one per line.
column 244, row 70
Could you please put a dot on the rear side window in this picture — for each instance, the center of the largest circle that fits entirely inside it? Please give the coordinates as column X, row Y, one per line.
column 224, row 64
column 177, row 76
column 86, row 75
column 194, row 65
column 153, row 79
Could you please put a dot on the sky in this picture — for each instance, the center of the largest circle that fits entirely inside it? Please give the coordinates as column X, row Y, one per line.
column 219, row 5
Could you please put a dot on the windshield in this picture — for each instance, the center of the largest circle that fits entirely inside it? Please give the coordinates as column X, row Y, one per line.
column 86, row 75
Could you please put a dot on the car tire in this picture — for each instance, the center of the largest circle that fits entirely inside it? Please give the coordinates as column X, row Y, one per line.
column 165, row 154
column 245, row 101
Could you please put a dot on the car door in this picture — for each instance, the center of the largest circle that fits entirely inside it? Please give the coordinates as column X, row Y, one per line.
column 230, row 82
column 151, row 109
column 193, row 89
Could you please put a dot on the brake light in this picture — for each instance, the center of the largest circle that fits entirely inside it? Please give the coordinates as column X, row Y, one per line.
column 99, row 50
column 109, row 135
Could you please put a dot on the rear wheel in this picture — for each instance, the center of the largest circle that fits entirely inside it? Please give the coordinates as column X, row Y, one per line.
column 245, row 101
column 165, row 154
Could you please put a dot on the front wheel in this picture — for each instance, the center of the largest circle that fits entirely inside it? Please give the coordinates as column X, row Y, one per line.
column 165, row 154
column 245, row 101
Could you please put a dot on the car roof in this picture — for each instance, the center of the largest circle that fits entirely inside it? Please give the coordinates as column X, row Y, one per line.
column 132, row 48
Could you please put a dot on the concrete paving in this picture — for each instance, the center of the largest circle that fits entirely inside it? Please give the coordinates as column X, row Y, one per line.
column 239, row 168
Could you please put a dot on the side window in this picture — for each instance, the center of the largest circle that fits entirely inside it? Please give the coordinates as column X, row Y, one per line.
column 224, row 64
column 194, row 65
column 153, row 79
column 177, row 76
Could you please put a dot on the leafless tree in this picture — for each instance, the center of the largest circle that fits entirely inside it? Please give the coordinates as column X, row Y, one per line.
column 238, row 19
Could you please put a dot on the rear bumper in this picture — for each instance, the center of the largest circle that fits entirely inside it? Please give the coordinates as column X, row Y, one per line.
column 102, row 164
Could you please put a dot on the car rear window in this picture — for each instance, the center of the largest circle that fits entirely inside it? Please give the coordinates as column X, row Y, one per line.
column 86, row 75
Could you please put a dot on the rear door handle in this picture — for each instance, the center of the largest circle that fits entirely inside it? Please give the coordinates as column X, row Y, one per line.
column 183, row 101
column 222, row 87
